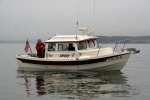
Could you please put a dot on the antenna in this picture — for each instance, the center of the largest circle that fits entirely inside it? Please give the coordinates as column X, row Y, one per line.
column 93, row 18
column 77, row 18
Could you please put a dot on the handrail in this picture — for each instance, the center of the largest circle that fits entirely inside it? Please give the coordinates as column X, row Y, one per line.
column 116, row 45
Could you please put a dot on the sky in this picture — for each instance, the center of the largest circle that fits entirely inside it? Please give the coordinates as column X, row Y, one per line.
column 33, row 19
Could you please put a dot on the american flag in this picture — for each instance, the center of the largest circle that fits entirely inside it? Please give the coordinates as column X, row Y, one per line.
column 27, row 46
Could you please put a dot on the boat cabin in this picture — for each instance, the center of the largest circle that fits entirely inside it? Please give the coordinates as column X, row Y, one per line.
column 70, row 46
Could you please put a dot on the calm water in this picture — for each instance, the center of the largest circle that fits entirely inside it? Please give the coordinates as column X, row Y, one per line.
column 132, row 83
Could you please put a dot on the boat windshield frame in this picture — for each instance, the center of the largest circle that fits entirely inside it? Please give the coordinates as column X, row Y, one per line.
column 95, row 44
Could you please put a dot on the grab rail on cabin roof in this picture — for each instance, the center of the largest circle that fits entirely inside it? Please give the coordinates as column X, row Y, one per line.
column 116, row 45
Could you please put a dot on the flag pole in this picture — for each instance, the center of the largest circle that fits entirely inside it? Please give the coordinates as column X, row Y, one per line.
column 30, row 50
column 30, row 47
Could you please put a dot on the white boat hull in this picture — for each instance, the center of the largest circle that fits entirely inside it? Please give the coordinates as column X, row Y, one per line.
column 115, row 62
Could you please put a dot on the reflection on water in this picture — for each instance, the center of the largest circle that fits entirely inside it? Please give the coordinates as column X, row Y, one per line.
column 77, row 85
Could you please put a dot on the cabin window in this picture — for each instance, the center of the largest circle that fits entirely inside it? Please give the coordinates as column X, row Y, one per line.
column 66, row 47
column 82, row 45
column 51, row 46
column 91, row 43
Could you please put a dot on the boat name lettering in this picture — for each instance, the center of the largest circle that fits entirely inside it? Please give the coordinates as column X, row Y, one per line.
column 114, row 58
column 64, row 55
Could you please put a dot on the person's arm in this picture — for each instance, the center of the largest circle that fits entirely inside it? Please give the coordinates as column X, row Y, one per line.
column 37, row 47
column 43, row 46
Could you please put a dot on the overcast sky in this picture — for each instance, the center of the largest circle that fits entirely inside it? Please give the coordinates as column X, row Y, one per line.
column 21, row 19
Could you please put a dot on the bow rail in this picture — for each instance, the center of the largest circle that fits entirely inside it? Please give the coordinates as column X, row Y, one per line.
column 116, row 45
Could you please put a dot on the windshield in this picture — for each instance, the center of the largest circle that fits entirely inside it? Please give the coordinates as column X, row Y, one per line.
column 82, row 45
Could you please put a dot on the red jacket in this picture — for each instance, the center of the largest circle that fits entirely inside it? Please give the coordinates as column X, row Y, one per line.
column 40, row 49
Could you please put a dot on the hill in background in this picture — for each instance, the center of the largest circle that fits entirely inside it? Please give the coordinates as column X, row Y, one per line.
column 132, row 39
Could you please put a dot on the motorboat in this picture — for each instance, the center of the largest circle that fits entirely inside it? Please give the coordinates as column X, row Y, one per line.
column 76, row 52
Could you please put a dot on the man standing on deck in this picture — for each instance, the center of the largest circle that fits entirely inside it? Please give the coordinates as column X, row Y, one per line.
column 40, row 47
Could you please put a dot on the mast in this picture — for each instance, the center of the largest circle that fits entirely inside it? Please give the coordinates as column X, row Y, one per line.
column 77, row 18
column 93, row 19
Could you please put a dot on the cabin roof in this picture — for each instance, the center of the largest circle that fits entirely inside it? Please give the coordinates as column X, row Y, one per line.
column 70, row 38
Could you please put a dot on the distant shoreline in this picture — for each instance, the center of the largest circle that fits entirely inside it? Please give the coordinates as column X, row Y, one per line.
column 102, row 39
column 132, row 39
